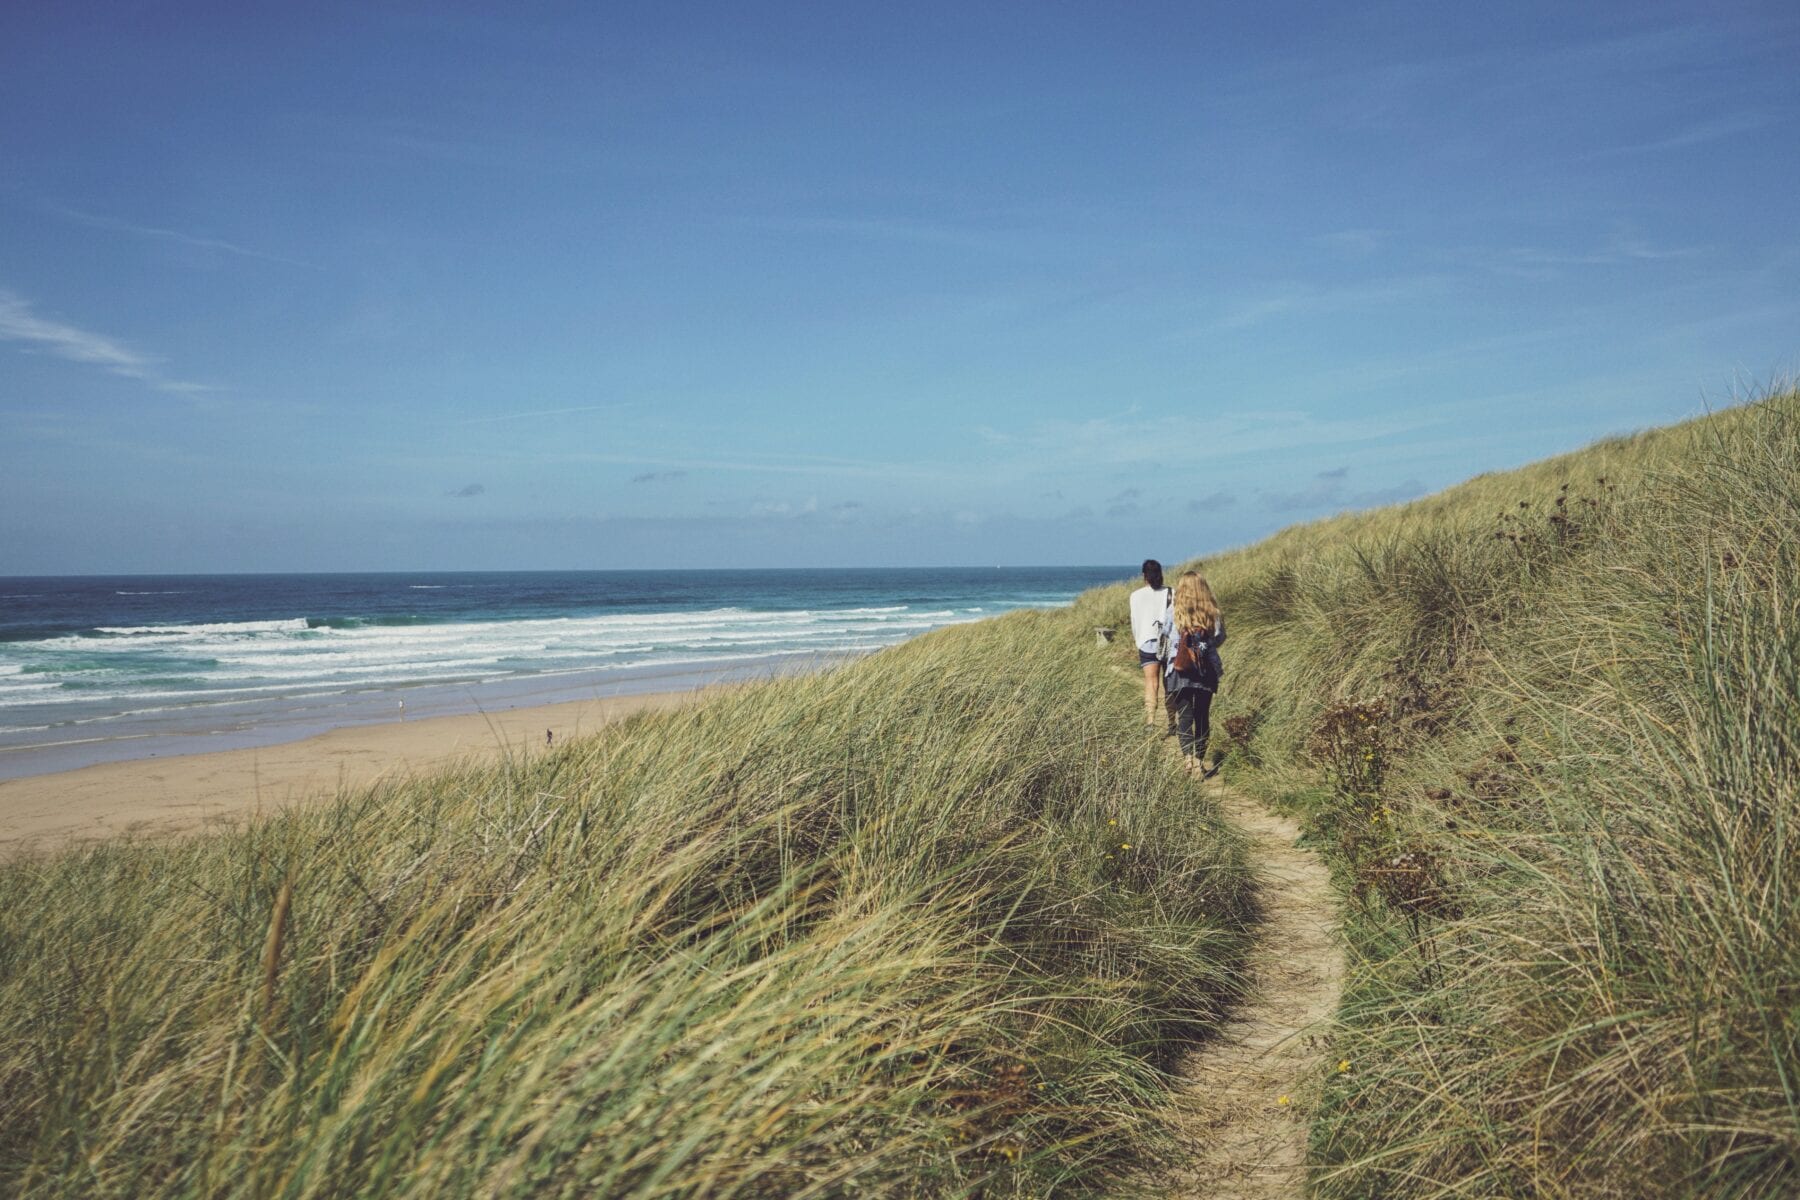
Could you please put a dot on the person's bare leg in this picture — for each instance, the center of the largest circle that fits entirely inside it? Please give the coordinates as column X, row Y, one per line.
column 1152, row 693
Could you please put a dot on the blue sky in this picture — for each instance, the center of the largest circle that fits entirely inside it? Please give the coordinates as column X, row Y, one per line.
column 362, row 287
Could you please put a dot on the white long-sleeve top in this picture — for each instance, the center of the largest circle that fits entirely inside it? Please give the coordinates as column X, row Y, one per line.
column 1152, row 611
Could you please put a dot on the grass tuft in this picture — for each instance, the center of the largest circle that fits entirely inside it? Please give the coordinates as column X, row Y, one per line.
column 871, row 932
column 1547, row 726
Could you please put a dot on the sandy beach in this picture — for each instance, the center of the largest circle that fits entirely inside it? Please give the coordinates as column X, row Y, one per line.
column 188, row 793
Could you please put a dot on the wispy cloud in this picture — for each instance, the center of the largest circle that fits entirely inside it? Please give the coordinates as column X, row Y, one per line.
column 466, row 491
column 20, row 323
column 1136, row 440
column 1324, row 490
column 1310, row 298
column 894, row 229
column 1641, row 51
column 1353, row 243
column 769, row 511
column 1622, row 248
column 1453, row 358
column 746, row 462
column 542, row 412
column 658, row 476
column 198, row 241
column 1121, row 438
column 1693, row 135
column 434, row 140
column 1124, row 504
column 1328, row 489
column 785, row 508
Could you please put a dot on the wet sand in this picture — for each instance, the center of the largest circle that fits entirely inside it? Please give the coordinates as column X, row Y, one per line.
column 187, row 793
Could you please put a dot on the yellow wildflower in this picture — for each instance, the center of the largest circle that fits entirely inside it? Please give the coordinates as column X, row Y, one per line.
column 1284, row 1100
column 1343, row 1065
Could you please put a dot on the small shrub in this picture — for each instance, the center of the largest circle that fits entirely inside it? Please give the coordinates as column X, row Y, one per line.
column 1350, row 741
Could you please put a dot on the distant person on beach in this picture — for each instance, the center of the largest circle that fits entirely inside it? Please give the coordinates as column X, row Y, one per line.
column 1150, row 622
column 1194, row 667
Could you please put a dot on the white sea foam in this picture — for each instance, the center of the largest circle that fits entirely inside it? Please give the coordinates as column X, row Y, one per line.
column 292, row 625
column 126, row 737
column 146, row 669
column 17, row 699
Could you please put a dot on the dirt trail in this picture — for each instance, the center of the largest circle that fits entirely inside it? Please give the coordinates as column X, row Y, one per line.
column 1246, row 1142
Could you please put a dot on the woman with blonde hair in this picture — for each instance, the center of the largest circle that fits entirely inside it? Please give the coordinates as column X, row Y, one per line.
column 1194, row 668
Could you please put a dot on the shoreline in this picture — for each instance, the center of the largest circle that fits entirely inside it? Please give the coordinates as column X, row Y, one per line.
column 181, row 794
column 202, row 728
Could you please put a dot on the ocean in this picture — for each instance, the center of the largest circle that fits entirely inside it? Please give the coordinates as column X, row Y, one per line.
column 103, row 668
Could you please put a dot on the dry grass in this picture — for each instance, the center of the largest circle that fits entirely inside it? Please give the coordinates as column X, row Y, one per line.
column 872, row 932
column 879, row 932
column 1546, row 723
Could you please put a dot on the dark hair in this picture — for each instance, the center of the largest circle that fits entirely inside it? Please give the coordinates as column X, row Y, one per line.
column 1152, row 572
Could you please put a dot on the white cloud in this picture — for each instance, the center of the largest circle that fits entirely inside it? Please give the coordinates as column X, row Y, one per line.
column 1619, row 250
column 785, row 508
column 1300, row 298
column 886, row 228
column 747, row 461
column 172, row 235
column 542, row 412
column 1694, row 135
column 1127, row 437
column 1353, row 243
column 1060, row 448
column 18, row 323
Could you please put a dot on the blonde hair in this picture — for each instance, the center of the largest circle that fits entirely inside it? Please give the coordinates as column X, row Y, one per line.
column 1195, row 607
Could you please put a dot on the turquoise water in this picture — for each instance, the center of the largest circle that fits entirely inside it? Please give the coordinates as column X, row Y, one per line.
column 97, row 668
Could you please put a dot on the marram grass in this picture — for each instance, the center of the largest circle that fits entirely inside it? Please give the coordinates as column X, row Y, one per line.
column 931, row 924
column 927, row 924
column 1547, row 726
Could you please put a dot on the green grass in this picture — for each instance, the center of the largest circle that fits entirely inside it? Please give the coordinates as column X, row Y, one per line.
column 1545, row 726
column 935, row 923
column 874, row 932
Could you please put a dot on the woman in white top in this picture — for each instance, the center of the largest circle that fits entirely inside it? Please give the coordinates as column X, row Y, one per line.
column 1152, row 615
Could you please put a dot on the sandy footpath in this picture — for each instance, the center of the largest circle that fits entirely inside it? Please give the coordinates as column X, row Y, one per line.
column 1249, row 1091
column 184, row 793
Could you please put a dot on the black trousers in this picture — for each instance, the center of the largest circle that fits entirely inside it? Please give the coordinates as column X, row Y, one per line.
column 1193, row 719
